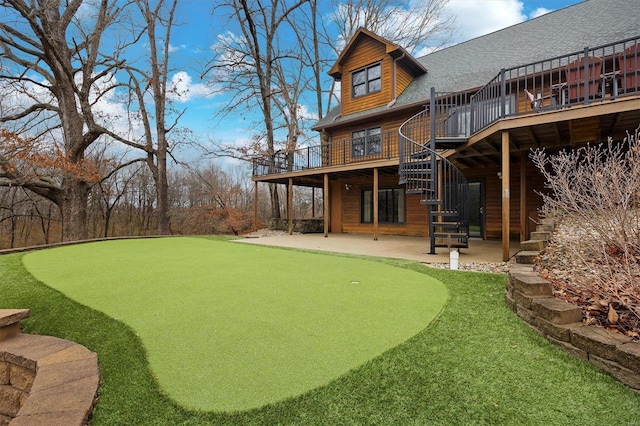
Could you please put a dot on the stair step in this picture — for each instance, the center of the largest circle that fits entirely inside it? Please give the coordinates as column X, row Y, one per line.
column 419, row 176
column 420, row 183
column 450, row 234
column 420, row 155
column 533, row 245
column 545, row 228
column 419, row 191
column 450, row 142
column 453, row 245
column 448, row 229
column 418, row 162
column 412, row 179
column 445, row 213
column 544, row 235
column 526, row 257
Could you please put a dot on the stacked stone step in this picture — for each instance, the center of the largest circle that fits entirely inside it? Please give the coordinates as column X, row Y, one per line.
column 538, row 241
column 44, row 380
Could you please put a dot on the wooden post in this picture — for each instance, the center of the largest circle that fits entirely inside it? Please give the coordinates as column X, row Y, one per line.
column 523, row 197
column 255, row 206
column 375, row 204
column 290, row 205
column 506, row 196
column 325, row 196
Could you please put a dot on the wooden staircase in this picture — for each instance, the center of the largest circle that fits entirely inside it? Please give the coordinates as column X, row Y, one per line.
column 441, row 185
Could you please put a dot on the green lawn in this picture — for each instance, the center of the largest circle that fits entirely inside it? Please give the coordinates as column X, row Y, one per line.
column 229, row 327
column 475, row 364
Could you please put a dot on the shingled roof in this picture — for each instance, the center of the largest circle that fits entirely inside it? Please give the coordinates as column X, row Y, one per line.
column 473, row 63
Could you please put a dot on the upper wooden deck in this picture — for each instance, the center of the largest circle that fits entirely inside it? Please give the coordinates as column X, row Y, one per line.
column 564, row 101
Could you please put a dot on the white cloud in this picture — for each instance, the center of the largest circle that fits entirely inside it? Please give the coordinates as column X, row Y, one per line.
column 305, row 114
column 539, row 12
column 183, row 89
column 480, row 17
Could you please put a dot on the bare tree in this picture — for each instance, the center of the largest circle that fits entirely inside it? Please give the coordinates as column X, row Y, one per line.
column 244, row 64
column 414, row 25
column 594, row 194
column 112, row 190
column 208, row 199
column 159, row 22
column 54, row 72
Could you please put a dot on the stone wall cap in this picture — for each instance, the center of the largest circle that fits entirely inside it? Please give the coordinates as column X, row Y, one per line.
column 556, row 310
column 12, row 316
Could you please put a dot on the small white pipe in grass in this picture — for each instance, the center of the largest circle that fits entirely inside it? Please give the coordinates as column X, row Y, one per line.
column 453, row 259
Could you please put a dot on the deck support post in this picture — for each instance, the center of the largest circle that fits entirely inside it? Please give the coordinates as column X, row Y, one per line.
column 523, row 197
column 375, row 204
column 290, row 205
column 506, row 196
column 325, row 202
column 255, row 205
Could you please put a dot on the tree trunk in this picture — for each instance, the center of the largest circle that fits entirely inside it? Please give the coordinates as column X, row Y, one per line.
column 162, row 190
column 73, row 206
column 275, row 201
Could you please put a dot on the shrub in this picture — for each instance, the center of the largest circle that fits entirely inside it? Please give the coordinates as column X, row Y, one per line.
column 594, row 256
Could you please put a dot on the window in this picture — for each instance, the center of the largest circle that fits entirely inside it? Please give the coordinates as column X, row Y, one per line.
column 366, row 80
column 390, row 206
column 366, row 142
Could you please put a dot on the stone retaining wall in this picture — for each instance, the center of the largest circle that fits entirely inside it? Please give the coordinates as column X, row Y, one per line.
column 299, row 225
column 43, row 379
column 531, row 298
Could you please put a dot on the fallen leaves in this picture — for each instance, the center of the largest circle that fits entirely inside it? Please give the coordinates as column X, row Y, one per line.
column 612, row 316
column 602, row 280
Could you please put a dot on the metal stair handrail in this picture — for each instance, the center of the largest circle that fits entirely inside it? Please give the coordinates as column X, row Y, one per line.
column 421, row 168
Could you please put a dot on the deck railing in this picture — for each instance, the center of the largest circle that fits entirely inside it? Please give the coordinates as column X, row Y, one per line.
column 448, row 113
column 591, row 75
column 598, row 74
column 382, row 146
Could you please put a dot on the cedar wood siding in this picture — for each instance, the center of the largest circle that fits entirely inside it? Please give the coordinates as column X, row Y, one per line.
column 367, row 52
column 415, row 214
column 345, row 205
column 340, row 139
column 403, row 78
column 493, row 198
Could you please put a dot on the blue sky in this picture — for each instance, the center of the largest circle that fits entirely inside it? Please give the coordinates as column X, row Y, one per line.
column 193, row 39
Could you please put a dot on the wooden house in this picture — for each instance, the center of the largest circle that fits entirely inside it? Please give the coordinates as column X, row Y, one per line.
column 438, row 146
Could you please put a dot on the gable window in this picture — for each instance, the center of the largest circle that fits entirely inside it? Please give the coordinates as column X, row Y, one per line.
column 366, row 80
column 390, row 206
column 366, row 142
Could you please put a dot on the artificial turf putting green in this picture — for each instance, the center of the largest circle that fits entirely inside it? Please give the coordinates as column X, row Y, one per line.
column 231, row 327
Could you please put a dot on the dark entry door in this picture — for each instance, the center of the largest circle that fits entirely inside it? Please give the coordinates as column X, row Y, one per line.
column 476, row 213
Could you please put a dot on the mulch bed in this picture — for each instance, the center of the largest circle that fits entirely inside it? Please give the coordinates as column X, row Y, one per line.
column 602, row 283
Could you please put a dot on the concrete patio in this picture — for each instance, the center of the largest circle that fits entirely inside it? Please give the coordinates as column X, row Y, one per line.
column 411, row 248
